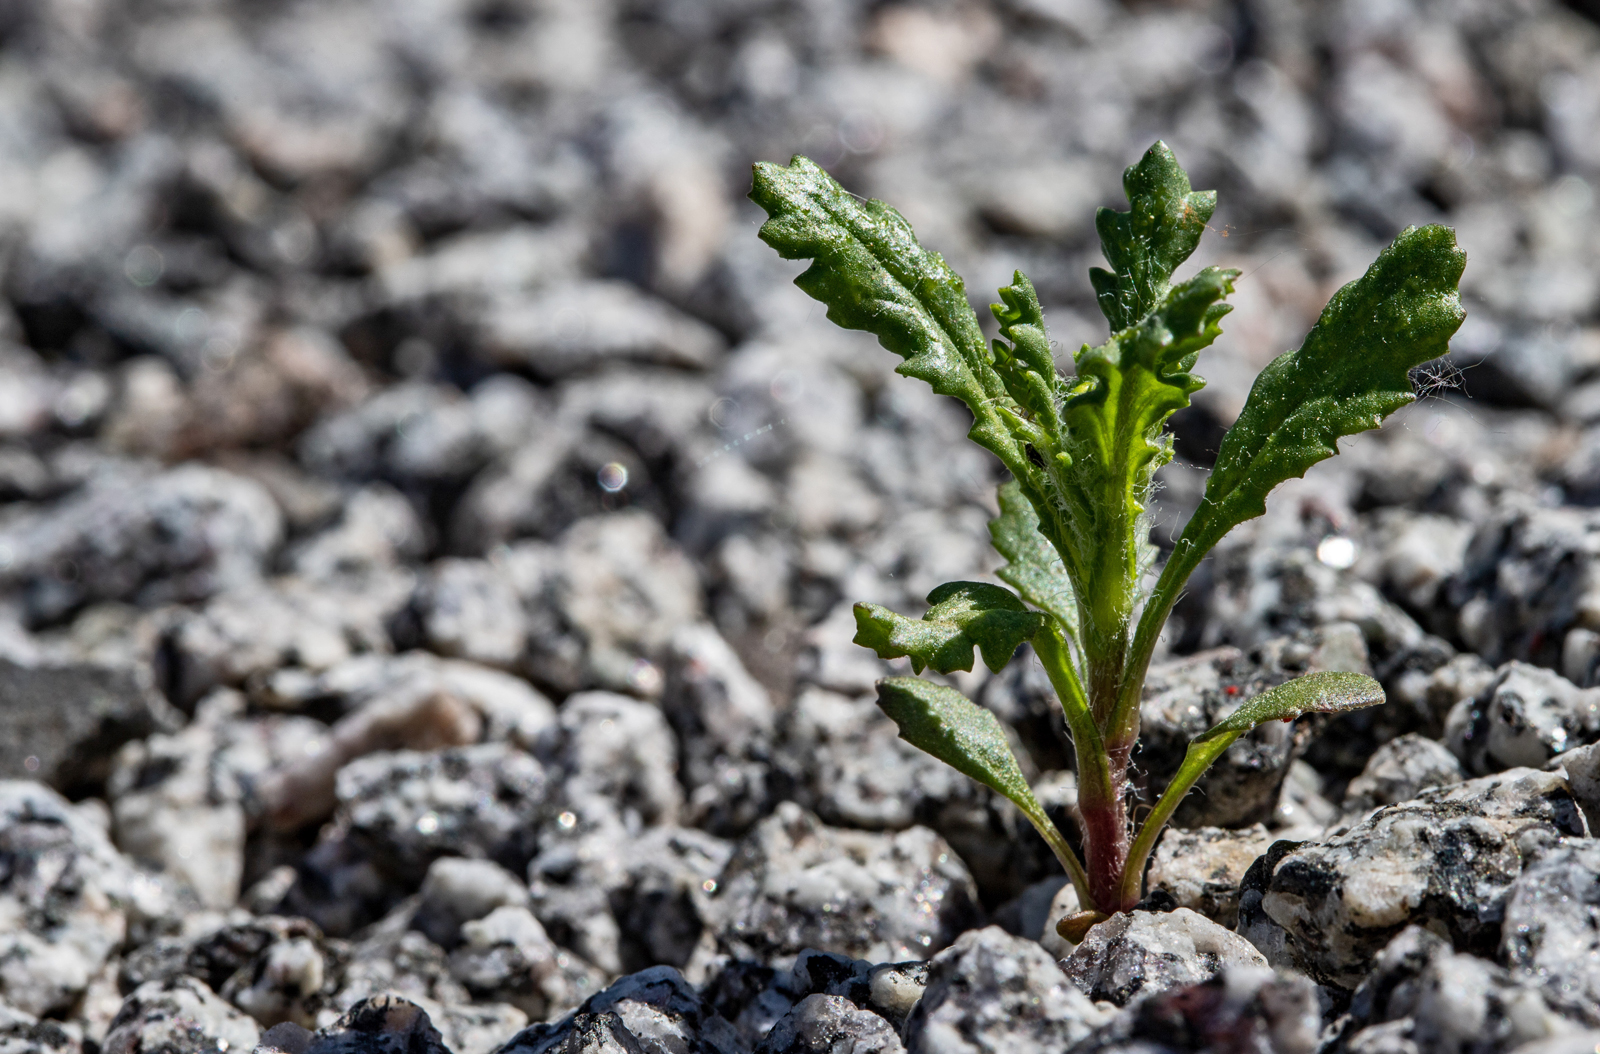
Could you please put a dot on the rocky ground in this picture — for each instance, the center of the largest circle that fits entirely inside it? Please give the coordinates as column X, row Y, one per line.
column 429, row 519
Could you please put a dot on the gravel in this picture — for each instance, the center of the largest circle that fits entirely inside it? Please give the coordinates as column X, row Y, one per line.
column 991, row 991
column 429, row 520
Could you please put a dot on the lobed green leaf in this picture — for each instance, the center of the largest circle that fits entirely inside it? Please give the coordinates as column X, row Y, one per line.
column 1027, row 365
column 1351, row 372
column 868, row 268
column 963, row 615
column 1147, row 243
column 1033, row 568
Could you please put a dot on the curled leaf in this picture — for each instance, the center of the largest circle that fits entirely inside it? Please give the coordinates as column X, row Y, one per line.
column 957, row 731
column 963, row 615
column 1076, row 927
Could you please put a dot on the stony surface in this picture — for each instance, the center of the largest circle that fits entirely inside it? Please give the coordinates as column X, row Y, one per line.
column 830, row 1024
column 507, row 957
column 1582, row 767
column 796, row 883
column 1549, row 936
column 430, row 518
column 70, row 747
column 626, row 903
column 991, row 991
column 182, row 534
column 1400, row 770
column 1525, row 717
column 1142, row 952
column 380, row 1025
column 1241, row 1008
column 1448, row 858
column 652, row 1010
column 181, row 1014
column 1423, row 996
column 400, row 811
column 1201, row 868
column 71, row 899
column 22, row 1033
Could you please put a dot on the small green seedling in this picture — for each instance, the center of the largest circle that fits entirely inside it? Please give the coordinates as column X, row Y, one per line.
column 1081, row 451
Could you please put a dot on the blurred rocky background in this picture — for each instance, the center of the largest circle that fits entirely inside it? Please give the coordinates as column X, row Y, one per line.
column 429, row 518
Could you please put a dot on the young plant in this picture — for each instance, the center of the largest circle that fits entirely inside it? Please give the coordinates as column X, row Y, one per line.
column 1081, row 451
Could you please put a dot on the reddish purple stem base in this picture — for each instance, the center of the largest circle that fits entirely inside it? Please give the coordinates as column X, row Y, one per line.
column 1105, row 837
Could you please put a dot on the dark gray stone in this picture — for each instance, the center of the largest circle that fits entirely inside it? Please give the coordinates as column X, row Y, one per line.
column 652, row 1011
column 830, row 1024
column 62, row 723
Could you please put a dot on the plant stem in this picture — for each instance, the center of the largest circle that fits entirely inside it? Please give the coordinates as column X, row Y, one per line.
column 1102, row 780
column 1105, row 833
column 1196, row 760
column 1124, row 712
column 1056, row 657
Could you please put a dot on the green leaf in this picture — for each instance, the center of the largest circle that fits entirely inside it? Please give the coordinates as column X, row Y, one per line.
column 1033, row 568
column 1351, row 373
column 1327, row 693
column 943, row 722
column 1027, row 366
column 1132, row 383
column 963, row 615
column 1127, row 388
column 1331, row 692
column 1147, row 243
column 874, row 276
